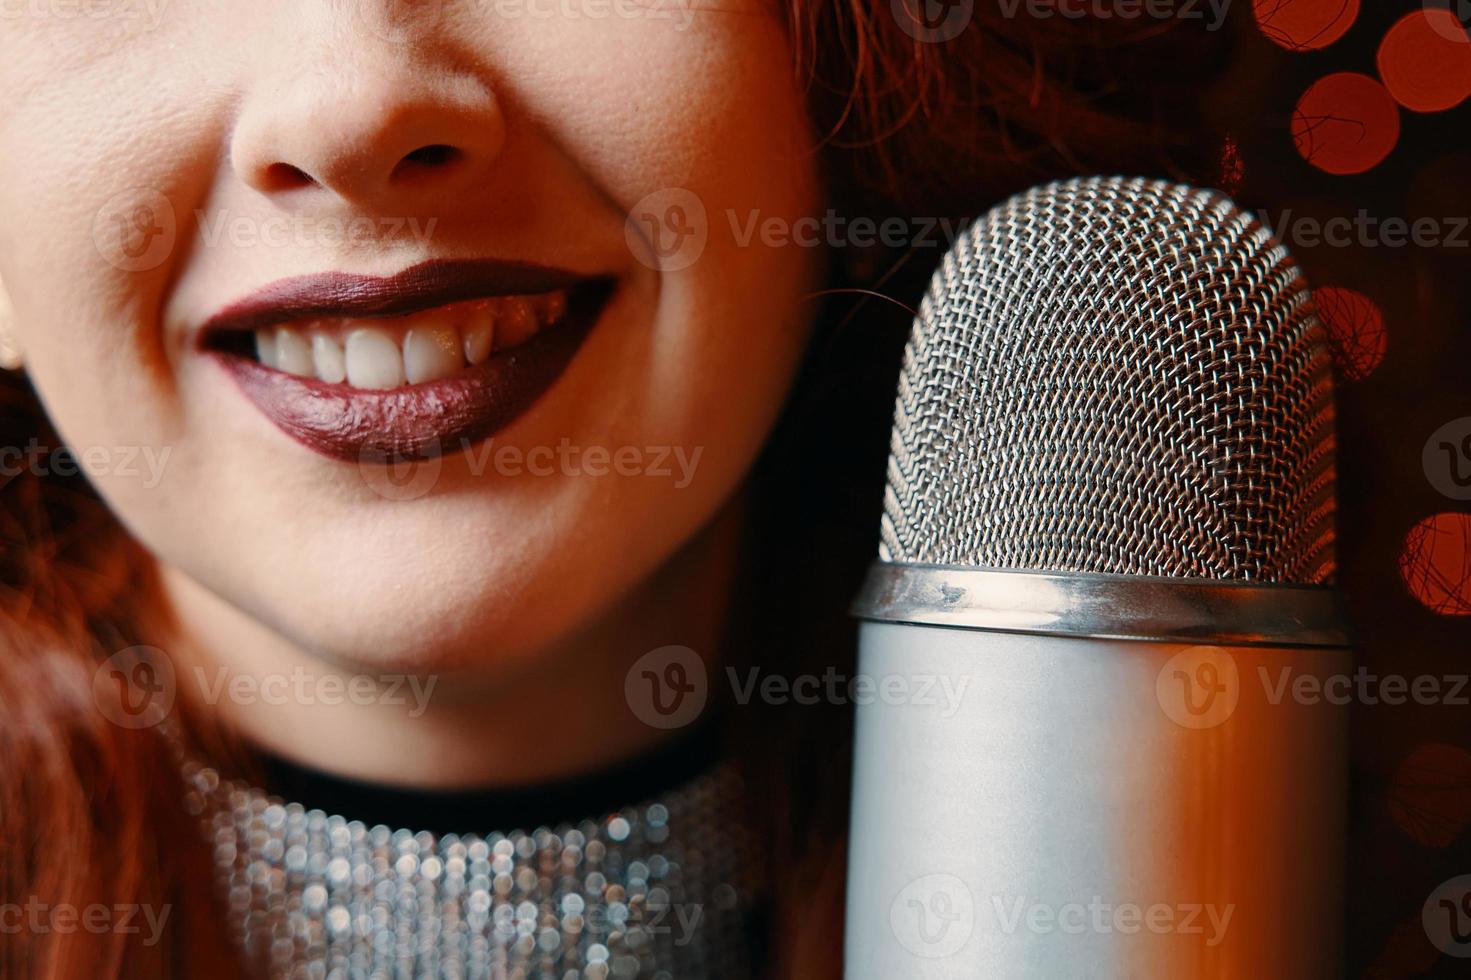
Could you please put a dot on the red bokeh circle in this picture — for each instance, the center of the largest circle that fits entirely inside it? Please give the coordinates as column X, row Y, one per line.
column 1425, row 61
column 1345, row 123
column 1304, row 25
column 1355, row 330
column 1436, row 563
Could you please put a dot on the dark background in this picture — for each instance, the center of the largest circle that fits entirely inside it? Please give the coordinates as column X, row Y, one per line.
column 1408, row 590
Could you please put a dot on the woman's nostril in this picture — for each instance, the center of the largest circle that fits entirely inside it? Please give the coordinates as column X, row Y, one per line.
column 432, row 157
column 285, row 177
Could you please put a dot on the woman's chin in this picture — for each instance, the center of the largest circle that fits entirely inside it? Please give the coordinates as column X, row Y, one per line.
column 356, row 621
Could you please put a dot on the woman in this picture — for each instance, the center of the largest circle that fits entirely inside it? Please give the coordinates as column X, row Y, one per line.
column 418, row 360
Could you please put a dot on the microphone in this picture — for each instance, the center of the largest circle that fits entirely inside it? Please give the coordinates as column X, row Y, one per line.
column 1108, row 531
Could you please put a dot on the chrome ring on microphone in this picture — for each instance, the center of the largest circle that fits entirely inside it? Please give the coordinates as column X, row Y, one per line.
column 1121, row 607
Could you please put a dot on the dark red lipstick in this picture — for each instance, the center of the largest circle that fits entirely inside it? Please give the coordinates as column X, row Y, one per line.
column 418, row 421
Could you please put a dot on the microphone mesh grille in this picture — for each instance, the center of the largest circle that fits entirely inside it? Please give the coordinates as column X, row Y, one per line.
column 1116, row 376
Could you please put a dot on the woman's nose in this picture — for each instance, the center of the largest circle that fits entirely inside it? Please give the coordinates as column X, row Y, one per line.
column 369, row 136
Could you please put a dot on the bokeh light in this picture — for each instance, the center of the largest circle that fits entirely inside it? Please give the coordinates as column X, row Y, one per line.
column 1232, row 169
column 1345, row 123
column 1355, row 330
column 1303, row 25
column 1431, row 798
column 1436, row 563
column 1425, row 61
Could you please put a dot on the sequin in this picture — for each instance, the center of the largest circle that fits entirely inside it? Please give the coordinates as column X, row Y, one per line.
column 659, row 890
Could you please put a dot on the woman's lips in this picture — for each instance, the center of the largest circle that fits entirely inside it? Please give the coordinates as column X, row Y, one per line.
column 353, row 422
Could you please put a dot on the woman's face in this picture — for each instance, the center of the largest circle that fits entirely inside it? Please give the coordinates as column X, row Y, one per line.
column 289, row 278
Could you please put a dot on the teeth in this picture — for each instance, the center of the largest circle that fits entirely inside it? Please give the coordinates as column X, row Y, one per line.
column 265, row 347
column 373, row 360
column 327, row 356
column 550, row 307
column 415, row 349
column 480, row 335
column 293, row 353
column 517, row 322
column 431, row 353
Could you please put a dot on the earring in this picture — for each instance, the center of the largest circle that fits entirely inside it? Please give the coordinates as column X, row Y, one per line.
column 11, row 358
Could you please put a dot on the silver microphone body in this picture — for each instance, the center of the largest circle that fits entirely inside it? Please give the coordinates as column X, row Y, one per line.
column 1096, row 805
column 1110, row 745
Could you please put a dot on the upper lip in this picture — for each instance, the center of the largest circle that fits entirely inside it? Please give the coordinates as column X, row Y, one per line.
column 427, row 285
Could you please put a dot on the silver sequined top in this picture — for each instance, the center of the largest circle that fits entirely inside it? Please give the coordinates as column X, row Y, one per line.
column 663, row 890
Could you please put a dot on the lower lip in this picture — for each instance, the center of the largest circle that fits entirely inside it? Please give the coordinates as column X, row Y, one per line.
column 420, row 421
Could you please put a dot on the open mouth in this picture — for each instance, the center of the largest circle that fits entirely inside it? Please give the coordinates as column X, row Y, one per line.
column 412, row 366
